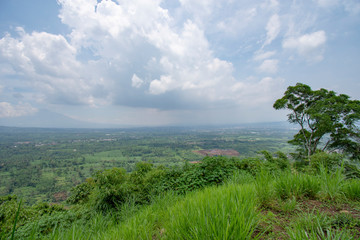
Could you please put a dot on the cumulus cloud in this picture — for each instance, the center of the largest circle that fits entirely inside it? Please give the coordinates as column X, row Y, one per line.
column 309, row 46
column 141, row 54
column 22, row 109
column 47, row 63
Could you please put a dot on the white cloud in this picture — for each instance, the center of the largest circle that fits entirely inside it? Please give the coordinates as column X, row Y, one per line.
column 272, row 29
column 9, row 110
column 253, row 93
column 198, row 52
column 259, row 55
column 165, row 83
column 47, row 63
column 136, row 81
column 309, row 46
column 269, row 66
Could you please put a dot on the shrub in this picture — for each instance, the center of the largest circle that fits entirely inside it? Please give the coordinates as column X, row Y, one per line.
column 251, row 165
column 80, row 193
column 329, row 161
column 277, row 162
column 211, row 171
column 111, row 189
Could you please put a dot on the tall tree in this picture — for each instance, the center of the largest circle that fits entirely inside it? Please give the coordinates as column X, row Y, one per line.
column 325, row 119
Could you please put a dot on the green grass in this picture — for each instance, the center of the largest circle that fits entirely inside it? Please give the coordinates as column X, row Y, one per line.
column 315, row 226
column 289, row 185
column 332, row 183
column 227, row 212
column 270, row 205
column 351, row 189
column 263, row 187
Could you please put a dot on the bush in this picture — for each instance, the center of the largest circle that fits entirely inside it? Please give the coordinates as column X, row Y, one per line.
column 111, row 189
column 329, row 161
column 251, row 165
column 80, row 193
column 211, row 171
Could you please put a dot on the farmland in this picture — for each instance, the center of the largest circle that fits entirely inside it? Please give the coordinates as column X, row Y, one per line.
column 44, row 164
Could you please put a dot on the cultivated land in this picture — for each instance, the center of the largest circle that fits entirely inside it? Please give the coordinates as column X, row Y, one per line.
column 44, row 164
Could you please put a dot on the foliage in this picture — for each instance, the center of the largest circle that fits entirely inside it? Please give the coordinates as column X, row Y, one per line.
column 278, row 162
column 12, row 211
column 299, row 185
column 315, row 226
column 111, row 189
column 351, row 189
column 332, row 182
column 322, row 115
column 81, row 192
column 330, row 161
column 231, row 214
column 45, row 164
column 158, row 202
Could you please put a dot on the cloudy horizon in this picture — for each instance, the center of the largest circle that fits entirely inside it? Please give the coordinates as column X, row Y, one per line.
column 150, row 63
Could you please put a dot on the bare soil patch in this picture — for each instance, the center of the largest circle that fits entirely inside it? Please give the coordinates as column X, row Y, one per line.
column 218, row 152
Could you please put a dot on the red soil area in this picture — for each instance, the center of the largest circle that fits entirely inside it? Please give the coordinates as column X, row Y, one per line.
column 218, row 152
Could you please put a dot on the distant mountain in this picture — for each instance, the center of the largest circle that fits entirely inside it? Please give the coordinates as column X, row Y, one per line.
column 47, row 119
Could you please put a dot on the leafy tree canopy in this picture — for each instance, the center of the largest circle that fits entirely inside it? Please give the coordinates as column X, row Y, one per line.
column 327, row 121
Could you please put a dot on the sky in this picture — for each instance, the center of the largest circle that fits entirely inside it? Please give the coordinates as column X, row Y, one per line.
column 172, row 62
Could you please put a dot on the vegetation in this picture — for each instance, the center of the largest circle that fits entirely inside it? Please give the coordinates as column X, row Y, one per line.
column 130, row 185
column 44, row 164
column 219, row 198
column 325, row 119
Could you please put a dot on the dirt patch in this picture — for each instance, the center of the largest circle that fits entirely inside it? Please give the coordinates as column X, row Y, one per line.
column 275, row 220
column 218, row 152
column 330, row 208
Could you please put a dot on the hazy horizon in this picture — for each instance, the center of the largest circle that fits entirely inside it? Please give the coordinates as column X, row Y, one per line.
column 47, row 119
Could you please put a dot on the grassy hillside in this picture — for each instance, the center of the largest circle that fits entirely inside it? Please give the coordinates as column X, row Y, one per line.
column 220, row 198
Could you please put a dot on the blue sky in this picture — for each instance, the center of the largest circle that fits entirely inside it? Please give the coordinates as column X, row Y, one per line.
column 147, row 63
